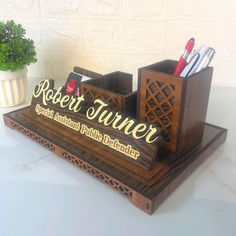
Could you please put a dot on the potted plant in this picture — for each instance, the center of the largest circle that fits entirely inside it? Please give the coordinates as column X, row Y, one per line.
column 16, row 52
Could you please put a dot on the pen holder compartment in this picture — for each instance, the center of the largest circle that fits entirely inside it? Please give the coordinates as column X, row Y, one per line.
column 114, row 88
column 176, row 104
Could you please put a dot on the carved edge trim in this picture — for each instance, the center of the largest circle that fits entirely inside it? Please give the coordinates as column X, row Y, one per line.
column 178, row 180
column 100, row 175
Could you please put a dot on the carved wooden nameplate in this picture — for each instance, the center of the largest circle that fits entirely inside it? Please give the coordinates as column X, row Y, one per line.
column 97, row 123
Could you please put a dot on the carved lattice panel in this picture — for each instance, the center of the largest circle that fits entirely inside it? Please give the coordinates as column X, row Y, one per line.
column 106, row 179
column 33, row 136
column 160, row 99
column 159, row 103
column 93, row 93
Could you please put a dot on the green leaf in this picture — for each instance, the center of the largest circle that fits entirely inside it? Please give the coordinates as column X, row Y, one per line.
column 16, row 51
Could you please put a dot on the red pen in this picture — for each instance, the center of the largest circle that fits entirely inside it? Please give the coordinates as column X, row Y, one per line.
column 183, row 59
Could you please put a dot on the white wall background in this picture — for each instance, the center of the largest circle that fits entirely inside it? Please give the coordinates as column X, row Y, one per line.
column 109, row 35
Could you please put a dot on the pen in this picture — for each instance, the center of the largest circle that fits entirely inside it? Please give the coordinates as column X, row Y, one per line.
column 207, row 59
column 189, row 67
column 202, row 51
column 183, row 59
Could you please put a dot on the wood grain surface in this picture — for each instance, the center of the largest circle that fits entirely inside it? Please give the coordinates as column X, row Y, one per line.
column 148, row 151
column 146, row 189
column 176, row 104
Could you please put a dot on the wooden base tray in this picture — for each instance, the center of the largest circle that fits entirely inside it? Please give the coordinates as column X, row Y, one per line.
column 146, row 189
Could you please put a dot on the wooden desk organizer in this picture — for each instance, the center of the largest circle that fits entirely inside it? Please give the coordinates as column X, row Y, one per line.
column 114, row 88
column 176, row 104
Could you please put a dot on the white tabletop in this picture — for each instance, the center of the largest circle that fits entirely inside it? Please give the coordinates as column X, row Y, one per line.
column 43, row 195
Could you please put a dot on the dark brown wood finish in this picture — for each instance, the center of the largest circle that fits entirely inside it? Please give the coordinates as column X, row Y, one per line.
column 176, row 104
column 148, row 151
column 146, row 189
column 114, row 88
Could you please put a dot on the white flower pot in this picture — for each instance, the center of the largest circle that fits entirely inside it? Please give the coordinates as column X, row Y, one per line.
column 12, row 87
